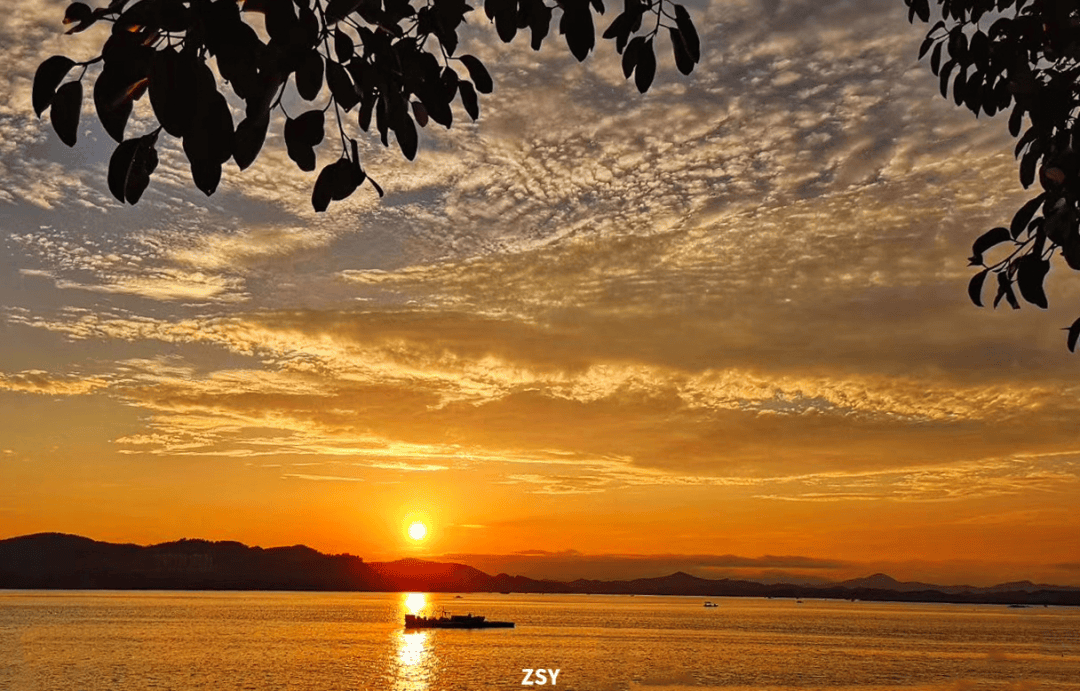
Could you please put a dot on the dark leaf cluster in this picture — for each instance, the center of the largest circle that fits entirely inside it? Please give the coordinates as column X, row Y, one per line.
column 389, row 66
column 1020, row 57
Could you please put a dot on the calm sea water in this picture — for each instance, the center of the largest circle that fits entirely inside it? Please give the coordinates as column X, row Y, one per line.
column 103, row 641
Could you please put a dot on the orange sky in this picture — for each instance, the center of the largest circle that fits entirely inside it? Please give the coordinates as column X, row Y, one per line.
column 691, row 329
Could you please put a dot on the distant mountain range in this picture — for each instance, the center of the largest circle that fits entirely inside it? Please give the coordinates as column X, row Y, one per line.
column 58, row 561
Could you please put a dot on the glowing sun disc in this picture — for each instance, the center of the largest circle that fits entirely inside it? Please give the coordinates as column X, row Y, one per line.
column 417, row 531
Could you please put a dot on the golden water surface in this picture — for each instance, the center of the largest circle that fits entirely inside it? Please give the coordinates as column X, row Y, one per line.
column 222, row 641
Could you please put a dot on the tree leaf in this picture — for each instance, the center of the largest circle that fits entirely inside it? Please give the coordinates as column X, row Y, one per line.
column 689, row 33
column 1027, row 167
column 130, row 167
column 958, row 47
column 630, row 55
column 309, row 76
column 239, row 51
column 1074, row 334
column 211, row 140
column 343, row 45
column 302, row 135
column 250, row 134
column 1031, row 270
column 344, row 179
column 215, row 118
column 1027, row 140
column 174, row 84
column 406, row 136
column 927, row 43
column 959, row 84
column 478, row 73
column 683, row 61
column 1016, row 120
column 46, row 80
column 119, row 165
column 303, row 156
column 469, row 100
column 1023, row 217
column 341, row 85
column 142, row 166
column 366, row 108
column 381, row 121
column 113, row 96
column 990, row 238
column 313, row 126
column 506, row 19
column 420, row 112
column 449, row 81
column 358, row 170
column 975, row 287
column 539, row 22
column 206, row 174
column 321, row 193
column 946, row 70
column 66, row 107
column 77, row 13
column 1005, row 291
column 979, row 49
column 577, row 25
column 618, row 27
column 437, row 103
column 336, row 181
column 646, row 67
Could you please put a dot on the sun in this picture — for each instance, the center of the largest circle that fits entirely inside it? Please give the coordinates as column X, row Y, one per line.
column 417, row 531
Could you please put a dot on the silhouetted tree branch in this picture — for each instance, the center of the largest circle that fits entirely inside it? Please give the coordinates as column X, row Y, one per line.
column 395, row 64
column 1023, row 58
column 394, row 61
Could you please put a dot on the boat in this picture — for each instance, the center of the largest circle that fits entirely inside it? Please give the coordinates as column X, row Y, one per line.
column 455, row 621
column 711, row 604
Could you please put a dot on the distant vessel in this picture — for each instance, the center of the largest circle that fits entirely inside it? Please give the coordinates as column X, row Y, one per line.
column 456, row 621
column 711, row 604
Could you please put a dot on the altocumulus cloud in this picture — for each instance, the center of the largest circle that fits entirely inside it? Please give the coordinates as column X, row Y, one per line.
column 752, row 277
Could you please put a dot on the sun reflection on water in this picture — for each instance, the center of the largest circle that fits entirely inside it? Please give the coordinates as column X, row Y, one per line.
column 414, row 602
column 412, row 648
column 415, row 661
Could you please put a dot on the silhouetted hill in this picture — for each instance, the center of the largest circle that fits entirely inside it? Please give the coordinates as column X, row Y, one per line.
column 51, row 560
column 416, row 574
column 880, row 581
